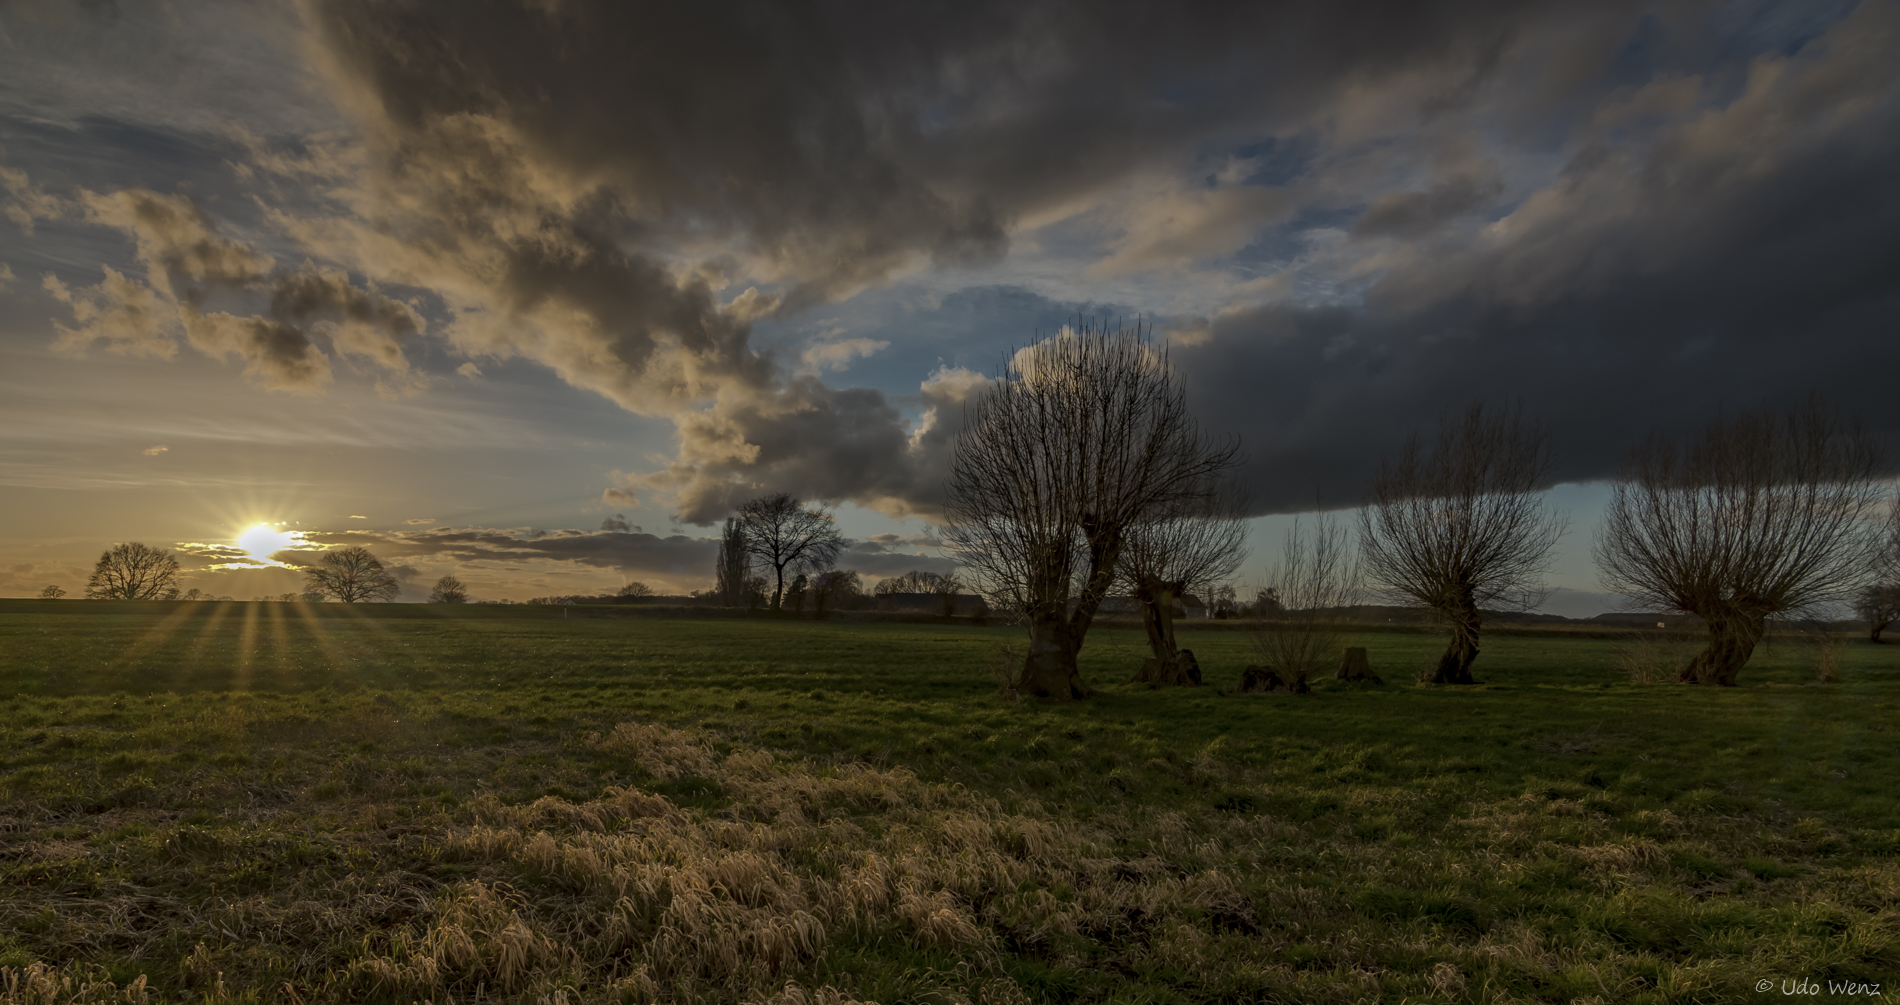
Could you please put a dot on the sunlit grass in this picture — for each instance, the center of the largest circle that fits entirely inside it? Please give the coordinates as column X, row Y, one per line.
column 407, row 803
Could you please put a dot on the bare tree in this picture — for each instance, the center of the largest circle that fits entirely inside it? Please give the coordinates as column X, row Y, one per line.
column 948, row 589
column 1879, row 603
column 52, row 593
column 1462, row 527
column 782, row 534
column 448, row 590
column 1184, row 548
column 1082, row 438
column 914, row 581
column 834, row 589
column 134, row 571
column 351, row 575
column 1297, row 633
column 734, row 562
column 635, row 590
column 1879, row 606
column 1761, row 515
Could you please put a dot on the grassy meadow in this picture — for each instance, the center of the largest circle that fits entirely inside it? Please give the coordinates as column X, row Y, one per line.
column 263, row 802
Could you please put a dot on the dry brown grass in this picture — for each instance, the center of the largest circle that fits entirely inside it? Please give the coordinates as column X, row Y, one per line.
column 628, row 897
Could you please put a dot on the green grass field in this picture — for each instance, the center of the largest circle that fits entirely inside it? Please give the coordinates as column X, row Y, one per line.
column 300, row 803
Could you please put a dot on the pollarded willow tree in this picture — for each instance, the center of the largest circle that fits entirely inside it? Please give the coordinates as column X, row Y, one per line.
column 1462, row 527
column 1760, row 515
column 1081, row 439
column 1185, row 548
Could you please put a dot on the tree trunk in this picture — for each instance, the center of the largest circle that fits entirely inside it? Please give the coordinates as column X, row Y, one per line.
column 1353, row 665
column 1050, row 670
column 1170, row 665
column 1732, row 640
column 1157, row 615
column 1455, row 666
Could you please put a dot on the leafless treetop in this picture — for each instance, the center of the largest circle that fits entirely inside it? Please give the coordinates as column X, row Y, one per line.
column 1464, row 518
column 1762, row 513
column 783, row 534
column 1085, row 436
column 1192, row 545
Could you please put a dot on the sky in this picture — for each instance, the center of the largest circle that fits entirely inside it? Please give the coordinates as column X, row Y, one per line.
column 533, row 293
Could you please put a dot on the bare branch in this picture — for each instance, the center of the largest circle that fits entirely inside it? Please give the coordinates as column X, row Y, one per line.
column 1761, row 515
column 781, row 534
column 133, row 571
column 1084, row 436
column 351, row 575
column 1462, row 527
column 1318, row 574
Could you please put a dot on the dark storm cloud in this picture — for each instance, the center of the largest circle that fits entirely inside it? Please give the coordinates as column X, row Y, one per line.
column 587, row 178
column 1624, row 214
column 1737, row 258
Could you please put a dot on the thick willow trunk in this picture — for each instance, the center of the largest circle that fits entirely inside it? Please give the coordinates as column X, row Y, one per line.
column 1050, row 669
column 1157, row 614
column 1170, row 665
column 1454, row 667
column 1732, row 640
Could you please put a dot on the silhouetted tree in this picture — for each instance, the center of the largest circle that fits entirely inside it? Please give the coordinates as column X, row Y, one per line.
column 752, row 594
column 795, row 594
column 134, row 571
column 835, row 589
column 1761, row 515
column 782, row 534
column 733, row 564
column 1462, row 527
column 635, row 590
column 1083, row 437
column 948, row 588
column 352, row 575
column 1182, row 549
column 52, row 593
column 448, row 590
column 1879, row 606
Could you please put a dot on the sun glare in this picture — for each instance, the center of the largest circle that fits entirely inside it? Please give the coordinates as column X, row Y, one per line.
column 264, row 540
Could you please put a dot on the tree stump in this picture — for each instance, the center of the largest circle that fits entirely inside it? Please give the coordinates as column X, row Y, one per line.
column 1181, row 670
column 1355, row 667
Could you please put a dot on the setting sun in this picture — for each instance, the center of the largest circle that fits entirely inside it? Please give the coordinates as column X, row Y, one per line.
column 264, row 540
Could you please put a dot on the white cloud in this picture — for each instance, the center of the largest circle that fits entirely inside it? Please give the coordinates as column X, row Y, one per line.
column 839, row 354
